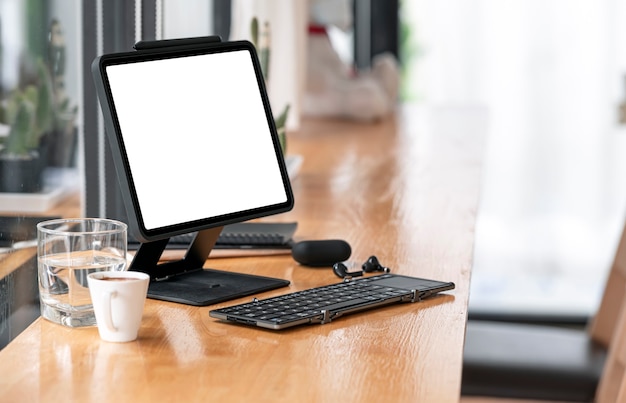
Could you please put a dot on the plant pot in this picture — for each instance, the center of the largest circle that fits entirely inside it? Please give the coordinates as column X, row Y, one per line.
column 21, row 174
column 62, row 145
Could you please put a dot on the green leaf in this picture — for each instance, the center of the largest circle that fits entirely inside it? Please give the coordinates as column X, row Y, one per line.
column 282, row 118
column 21, row 126
column 31, row 136
column 281, row 130
column 254, row 31
column 44, row 116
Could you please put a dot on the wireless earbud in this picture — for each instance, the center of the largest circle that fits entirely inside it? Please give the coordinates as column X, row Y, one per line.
column 372, row 264
column 341, row 271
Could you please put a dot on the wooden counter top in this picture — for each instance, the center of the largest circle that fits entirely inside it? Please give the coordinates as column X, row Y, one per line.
column 405, row 189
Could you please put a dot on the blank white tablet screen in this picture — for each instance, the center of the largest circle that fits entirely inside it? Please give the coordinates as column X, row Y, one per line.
column 196, row 136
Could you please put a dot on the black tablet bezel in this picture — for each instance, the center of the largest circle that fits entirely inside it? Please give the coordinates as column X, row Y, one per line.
column 114, row 134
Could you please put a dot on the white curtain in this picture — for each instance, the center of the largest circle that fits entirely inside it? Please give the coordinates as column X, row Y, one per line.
column 551, row 73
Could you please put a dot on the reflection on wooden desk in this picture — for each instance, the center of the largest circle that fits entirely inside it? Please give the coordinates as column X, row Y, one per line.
column 405, row 189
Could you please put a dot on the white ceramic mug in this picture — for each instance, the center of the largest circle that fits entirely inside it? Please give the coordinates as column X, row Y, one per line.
column 118, row 299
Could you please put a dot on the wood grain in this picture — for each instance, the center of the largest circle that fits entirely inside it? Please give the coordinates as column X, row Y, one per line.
column 405, row 189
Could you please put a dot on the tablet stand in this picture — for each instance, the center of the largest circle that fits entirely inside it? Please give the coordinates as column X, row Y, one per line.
column 185, row 281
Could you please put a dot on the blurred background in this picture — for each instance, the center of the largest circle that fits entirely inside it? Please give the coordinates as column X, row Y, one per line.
column 550, row 73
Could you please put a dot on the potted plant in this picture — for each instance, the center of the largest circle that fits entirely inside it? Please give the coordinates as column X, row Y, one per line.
column 28, row 113
column 63, row 133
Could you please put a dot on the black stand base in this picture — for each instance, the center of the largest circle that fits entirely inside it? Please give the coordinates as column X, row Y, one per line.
column 186, row 282
column 207, row 287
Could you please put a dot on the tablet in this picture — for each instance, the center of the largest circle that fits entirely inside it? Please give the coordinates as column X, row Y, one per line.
column 193, row 137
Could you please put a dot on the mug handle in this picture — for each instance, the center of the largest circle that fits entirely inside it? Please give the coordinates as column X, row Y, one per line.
column 108, row 319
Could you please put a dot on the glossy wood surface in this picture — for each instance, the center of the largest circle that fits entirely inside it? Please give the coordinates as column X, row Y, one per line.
column 405, row 189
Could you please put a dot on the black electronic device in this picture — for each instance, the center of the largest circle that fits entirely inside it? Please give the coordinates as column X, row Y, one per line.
column 370, row 265
column 341, row 271
column 321, row 253
column 202, row 105
column 326, row 303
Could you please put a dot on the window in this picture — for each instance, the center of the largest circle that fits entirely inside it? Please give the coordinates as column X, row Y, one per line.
column 41, row 122
column 46, row 50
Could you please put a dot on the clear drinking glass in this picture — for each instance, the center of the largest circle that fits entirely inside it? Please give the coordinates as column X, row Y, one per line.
column 67, row 251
